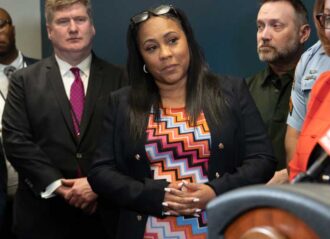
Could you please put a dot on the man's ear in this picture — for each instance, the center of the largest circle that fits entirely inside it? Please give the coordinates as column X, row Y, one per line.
column 94, row 31
column 49, row 29
column 304, row 33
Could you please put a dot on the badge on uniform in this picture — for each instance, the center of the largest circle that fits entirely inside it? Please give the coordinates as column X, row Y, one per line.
column 312, row 72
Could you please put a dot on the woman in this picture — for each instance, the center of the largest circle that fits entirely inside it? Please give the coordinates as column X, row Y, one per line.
column 178, row 137
column 312, row 141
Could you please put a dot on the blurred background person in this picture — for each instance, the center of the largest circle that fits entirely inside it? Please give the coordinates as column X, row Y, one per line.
column 11, row 59
column 178, row 137
column 282, row 30
column 314, row 139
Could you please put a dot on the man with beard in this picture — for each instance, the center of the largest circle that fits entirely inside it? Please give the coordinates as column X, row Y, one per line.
column 282, row 30
column 11, row 59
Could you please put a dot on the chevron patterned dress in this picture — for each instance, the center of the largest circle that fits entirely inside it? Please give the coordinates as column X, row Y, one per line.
column 178, row 151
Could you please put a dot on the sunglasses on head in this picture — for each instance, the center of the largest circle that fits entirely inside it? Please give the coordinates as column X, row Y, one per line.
column 4, row 22
column 157, row 11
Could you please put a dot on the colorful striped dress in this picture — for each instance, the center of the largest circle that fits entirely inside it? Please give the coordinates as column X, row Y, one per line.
column 178, row 151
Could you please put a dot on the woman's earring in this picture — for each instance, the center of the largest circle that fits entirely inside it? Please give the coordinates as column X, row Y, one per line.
column 145, row 69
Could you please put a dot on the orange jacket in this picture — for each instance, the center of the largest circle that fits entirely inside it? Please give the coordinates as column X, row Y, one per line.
column 316, row 124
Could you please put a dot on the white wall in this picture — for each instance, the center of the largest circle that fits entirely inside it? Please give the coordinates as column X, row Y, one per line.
column 26, row 18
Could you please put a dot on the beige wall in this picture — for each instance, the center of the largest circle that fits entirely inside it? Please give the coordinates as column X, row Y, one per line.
column 26, row 18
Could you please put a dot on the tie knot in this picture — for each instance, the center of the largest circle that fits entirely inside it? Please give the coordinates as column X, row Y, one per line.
column 9, row 70
column 75, row 71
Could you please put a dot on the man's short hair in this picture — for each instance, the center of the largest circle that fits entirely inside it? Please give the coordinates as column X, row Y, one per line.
column 298, row 6
column 52, row 6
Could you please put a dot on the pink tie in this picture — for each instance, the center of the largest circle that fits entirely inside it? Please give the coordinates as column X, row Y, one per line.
column 77, row 99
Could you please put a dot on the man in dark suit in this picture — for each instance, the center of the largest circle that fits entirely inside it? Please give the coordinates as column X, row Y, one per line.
column 59, row 102
column 11, row 59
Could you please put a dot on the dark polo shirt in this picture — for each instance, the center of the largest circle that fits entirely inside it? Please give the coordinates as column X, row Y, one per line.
column 271, row 95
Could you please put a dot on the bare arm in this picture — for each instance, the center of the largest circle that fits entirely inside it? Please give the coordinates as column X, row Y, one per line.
column 291, row 139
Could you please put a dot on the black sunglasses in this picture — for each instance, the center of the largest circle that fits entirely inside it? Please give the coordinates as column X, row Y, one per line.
column 157, row 11
column 324, row 20
column 4, row 22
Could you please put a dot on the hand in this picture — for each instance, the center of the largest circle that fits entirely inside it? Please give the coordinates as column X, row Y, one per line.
column 200, row 191
column 63, row 191
column 81, row 194
column 176, row 201
column 190, row 200
column 280, row 177
column 91, row 208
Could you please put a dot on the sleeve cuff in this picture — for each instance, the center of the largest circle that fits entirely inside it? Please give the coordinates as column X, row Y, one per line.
column 49, row 192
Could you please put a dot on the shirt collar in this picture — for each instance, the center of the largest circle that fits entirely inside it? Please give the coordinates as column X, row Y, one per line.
column 322, row 51
column 84, row 66
column 18, row 63
column 269, row 74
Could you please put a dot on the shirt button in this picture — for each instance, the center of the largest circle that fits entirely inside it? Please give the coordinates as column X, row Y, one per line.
column 137, row 156
column 139, row 217
column 78, row 155
column 217, row 175
column 221, row 146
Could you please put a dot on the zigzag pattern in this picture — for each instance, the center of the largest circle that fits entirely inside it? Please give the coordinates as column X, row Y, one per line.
column 173, row 140
column 197, row 225
column 179, row 169
column 178, row 151
column 174, row 228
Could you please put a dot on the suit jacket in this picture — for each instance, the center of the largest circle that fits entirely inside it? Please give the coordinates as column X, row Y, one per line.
column 28, row 60
column 3, row 168
column 241, row 154
column 316, row 125
column 40, row 142
column 3, row 187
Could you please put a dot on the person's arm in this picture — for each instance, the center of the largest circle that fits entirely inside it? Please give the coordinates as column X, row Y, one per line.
column 297, row 112
column 280, row 177
column 32, row 164
column 187, row 199
column 256, row 162
column 111, row 173
column 291, row 140
column 78, row 193
column 51, row 189
column 298, row 108
column 3, row 187
column 3, row 199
